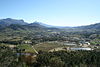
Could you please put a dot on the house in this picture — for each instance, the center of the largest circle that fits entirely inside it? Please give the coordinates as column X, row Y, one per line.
column 69, row 43
column 84, row 44
column 27, row 42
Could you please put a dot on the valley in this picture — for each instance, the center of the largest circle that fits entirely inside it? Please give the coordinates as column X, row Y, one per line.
column 40, row 44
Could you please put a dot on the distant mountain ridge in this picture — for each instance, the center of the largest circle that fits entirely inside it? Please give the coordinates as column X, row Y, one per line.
column 20, row 24
column 9, row 21
column 37, row 24
column 49, row 26
column 92, row 26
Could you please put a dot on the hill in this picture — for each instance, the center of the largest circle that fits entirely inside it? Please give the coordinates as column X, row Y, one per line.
column 92, row 26
column 9, row 21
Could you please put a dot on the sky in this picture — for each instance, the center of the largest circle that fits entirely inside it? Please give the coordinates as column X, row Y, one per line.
column 52, row 12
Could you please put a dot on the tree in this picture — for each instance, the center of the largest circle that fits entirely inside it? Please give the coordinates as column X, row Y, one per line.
column 56, row 62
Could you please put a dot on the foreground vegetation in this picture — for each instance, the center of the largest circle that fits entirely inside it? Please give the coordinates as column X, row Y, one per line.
column 9, row 58
column 70, row 59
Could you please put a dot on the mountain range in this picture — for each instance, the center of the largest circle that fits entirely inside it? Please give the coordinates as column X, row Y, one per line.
column 14, row 24
column 9, row 21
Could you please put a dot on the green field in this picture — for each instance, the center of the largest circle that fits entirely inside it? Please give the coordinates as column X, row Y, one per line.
column 27, row 47
column 47, row 46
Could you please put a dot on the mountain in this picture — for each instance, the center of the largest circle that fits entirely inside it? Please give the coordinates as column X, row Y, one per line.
column 9, row 21
column 92, row 26
column 37, row 24
column 14, row 24
column 46, row 25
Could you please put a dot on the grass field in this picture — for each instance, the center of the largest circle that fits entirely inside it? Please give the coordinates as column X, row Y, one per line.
column 27, row 47
column 47, row 46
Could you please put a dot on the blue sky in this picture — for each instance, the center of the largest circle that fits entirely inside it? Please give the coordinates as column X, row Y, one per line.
column 53, row 12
